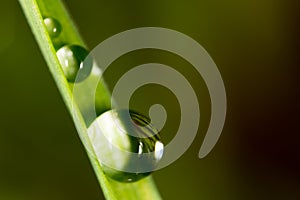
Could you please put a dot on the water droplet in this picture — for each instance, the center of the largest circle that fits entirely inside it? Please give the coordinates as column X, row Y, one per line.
column 53, row 27
column 73, row 58
column 122, row 156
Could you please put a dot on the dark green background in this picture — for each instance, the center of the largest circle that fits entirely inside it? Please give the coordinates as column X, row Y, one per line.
column 254, row 43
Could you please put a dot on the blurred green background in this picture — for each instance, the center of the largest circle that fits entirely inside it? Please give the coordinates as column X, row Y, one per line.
column 254, row 43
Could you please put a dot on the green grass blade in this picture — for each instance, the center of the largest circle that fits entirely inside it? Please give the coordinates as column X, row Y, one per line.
column 34, row 11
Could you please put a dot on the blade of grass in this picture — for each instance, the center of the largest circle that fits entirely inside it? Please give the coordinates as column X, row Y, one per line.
column 34, row 11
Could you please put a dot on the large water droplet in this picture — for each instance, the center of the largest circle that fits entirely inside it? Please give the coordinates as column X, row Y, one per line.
column 74, row 58
column 53, row 27
column 122, row 156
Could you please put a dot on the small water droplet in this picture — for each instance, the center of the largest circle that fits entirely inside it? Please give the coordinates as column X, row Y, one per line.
column 73, row 58
column 53, row 27
column 131, row 158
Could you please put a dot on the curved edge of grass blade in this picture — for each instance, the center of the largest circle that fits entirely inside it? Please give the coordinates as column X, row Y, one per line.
column 35, row 20
column 144, row 189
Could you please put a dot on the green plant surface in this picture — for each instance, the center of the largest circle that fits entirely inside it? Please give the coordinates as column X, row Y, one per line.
column 34, row 11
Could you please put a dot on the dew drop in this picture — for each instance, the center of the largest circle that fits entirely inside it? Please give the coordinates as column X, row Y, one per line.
column 74, row 58
column 53, row 27
column 131, row 158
